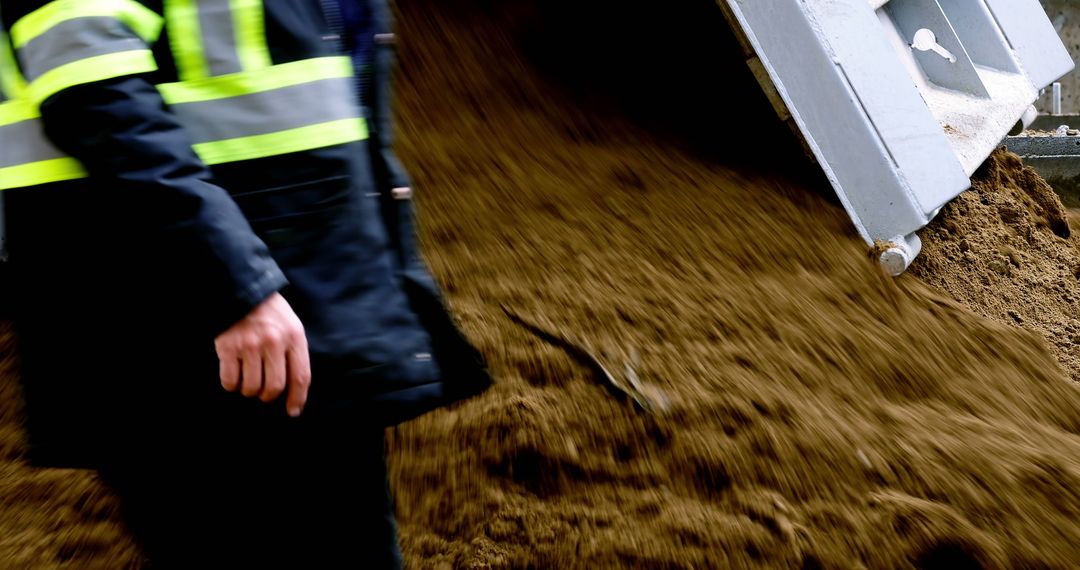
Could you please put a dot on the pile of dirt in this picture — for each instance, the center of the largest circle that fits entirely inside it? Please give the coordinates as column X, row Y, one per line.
column 821, row 415
column 1005, row 251
column 573, row 164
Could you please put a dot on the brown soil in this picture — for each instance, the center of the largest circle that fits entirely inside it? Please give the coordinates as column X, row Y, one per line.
column 820, row 414
column 1004, row 251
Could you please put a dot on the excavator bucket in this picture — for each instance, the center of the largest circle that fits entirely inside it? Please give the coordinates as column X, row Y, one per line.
column 900, row 101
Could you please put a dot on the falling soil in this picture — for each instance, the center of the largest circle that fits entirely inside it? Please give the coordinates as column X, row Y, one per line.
column 578, row 167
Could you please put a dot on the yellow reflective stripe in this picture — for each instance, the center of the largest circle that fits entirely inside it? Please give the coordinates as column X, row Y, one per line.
column 11, row 80
column 17, row 111
column 250, row 34
column 142, row 20
column 282, row 142
column 247, row 82
column 90, row 70
column 40, row 172
column 185, row 39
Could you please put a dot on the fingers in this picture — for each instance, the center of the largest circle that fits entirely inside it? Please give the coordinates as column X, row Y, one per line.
column 229, row 370
column 299, row 364
column 273, row 362
column 266, row 354
column 252, row 382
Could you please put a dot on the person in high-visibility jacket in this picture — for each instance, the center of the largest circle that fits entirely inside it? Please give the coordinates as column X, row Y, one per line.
column 219, row 300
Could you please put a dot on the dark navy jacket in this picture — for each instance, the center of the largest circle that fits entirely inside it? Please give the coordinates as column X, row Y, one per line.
column 124, row 279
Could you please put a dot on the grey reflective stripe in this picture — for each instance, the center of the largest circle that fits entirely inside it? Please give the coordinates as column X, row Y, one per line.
column 269, row 111
column 73, row 40
column 25, row 142
column 219, row 37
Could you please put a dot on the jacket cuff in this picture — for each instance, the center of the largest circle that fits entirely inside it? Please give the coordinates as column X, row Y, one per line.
column 268, row 280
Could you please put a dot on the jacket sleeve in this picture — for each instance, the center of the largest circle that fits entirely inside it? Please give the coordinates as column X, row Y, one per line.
column 388, row 168
column 98, row 106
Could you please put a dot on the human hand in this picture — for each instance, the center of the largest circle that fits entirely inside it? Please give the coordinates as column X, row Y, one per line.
column 266, row 353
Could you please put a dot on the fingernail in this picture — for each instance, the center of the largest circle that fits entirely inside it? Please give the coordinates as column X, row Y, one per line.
column 294, row 411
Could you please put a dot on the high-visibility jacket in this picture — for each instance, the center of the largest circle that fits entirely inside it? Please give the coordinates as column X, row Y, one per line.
column 27, row 158
column 181, row 160
column 236, row 101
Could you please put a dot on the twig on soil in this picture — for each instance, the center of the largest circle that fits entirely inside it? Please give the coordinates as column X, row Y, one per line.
column 635, row 391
